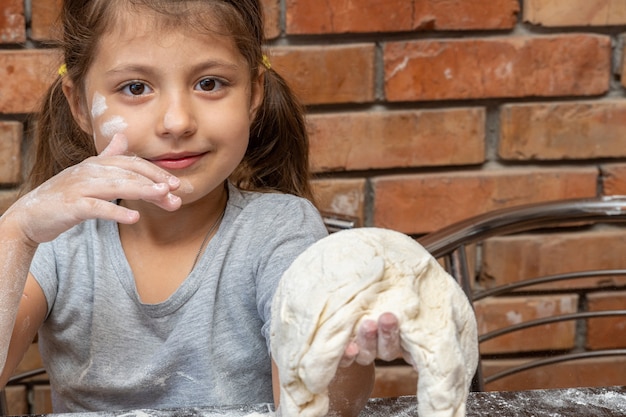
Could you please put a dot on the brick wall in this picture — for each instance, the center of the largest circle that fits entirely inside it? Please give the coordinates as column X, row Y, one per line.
column 422, row 113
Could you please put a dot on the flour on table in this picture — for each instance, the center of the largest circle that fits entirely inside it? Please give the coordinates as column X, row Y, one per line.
column 358, row 274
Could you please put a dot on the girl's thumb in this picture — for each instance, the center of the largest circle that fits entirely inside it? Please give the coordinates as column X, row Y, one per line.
column 117, row 146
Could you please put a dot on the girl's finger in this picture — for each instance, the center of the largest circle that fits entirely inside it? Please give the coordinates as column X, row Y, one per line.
column 125, row 170
column 117, row 146
column 349, row 355
column 388, row 337
column 110, row 211
column 168, row 202
column 108, row 189
column 366, row 339
column 138, row 167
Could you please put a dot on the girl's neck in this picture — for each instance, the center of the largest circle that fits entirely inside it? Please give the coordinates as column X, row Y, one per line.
column 187, row 223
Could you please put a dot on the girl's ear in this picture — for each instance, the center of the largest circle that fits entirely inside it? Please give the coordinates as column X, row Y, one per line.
column 257, row 93
column 77, row 106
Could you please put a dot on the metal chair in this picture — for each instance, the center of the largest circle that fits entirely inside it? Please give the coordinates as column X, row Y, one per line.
column 450, row 244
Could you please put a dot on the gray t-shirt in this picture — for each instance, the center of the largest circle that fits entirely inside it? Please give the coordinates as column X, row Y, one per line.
column 208, row 344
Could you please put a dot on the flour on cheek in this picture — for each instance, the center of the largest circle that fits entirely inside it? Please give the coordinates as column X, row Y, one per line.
column 110, row 127
column 98, row 105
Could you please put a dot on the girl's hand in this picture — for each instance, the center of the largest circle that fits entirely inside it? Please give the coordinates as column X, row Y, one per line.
column 89, row 189
column 376, row 340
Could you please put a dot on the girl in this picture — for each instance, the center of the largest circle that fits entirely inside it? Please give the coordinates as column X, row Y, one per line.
column 168, row 194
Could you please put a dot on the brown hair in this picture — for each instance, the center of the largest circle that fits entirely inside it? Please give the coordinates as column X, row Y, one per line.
column 277, row 154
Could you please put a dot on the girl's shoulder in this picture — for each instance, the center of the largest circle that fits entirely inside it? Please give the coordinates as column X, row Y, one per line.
column 271, row 201
column 267, row 210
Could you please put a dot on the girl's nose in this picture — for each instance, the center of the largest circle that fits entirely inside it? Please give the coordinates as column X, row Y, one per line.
column 177, row 119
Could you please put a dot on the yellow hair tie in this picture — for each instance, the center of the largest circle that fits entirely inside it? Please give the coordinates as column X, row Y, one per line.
column 266, row 62
column 62, row 71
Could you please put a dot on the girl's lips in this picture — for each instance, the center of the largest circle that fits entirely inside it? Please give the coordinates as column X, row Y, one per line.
column 176, row 162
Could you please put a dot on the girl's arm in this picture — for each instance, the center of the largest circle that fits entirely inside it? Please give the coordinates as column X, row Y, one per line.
column 84, row 191
column 29, row 317
column 17, row 327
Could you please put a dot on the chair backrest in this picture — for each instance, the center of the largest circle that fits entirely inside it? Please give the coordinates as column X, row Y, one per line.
column 465, row 245
column 335, row 222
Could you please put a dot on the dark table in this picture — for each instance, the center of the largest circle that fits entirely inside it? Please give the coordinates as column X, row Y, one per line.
column 579, row 402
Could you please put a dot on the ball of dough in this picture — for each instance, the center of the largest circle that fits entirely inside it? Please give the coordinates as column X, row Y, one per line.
column 361, row 273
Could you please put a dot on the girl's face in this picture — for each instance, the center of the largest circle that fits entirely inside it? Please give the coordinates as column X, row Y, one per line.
column 184, row 100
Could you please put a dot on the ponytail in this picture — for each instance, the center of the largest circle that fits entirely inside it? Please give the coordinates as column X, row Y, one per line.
column 277, row 157
column 59, row 142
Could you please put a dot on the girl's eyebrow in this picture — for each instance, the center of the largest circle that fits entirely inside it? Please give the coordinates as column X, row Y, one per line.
column 150, row 70
column 213, row 63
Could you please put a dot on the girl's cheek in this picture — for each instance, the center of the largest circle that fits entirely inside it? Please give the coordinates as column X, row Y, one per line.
column 104, row 127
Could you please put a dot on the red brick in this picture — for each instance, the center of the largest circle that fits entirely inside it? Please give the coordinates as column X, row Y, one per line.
column 356, row 141
column 361, row 16
column 328, row 74
column 563, row 13
column 345, row 16
column 271, row 14
column 10, row 152
column 513, row 258
column 12, row 22
column 45, row 17
column 25, row 75
column 344, row 197
column 465, row 15
column 555, row 131
column 598, row 372
column 422, row 203
column 613, row 179
column 606, row 333
column 497, row 313
column 545, row 66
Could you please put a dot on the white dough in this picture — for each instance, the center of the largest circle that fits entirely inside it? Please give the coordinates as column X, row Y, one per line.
column 361, row 273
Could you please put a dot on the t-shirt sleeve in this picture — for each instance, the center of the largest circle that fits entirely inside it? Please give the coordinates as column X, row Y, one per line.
column 44, row 270
column 293, row 228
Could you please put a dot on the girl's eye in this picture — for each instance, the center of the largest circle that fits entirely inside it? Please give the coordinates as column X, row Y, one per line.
column 136, row 89
column 209, row 84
